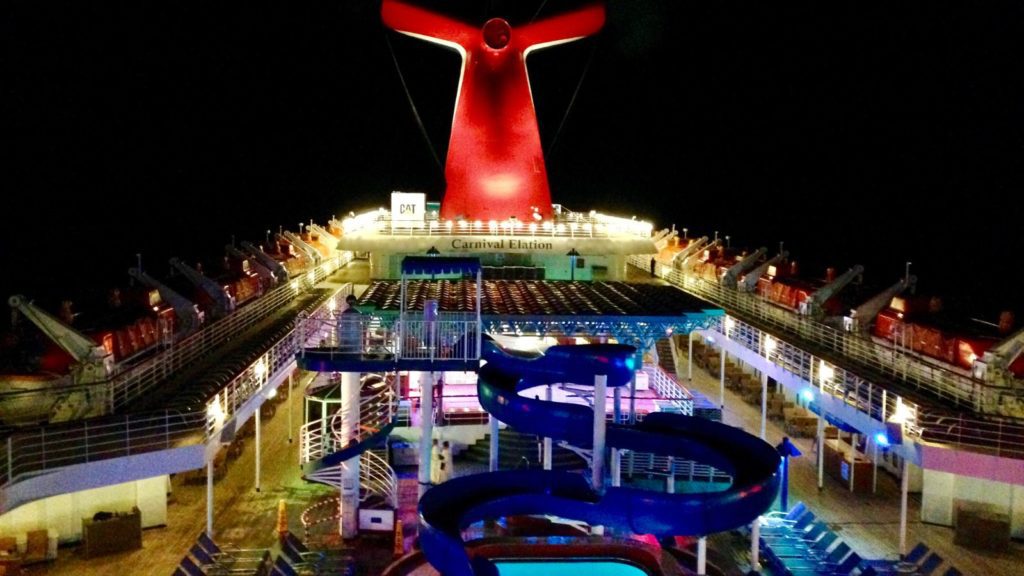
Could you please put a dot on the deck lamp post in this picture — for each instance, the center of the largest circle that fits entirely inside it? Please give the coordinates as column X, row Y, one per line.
column 787, row 450
column 572, row 254
column 433, row 251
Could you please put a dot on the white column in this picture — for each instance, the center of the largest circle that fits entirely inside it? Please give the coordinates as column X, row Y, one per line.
column 289, row 408
column 721, row 374
column 259, row 435
column 547, row 441
column 904, row 489
column 639, row 363
column 350, row 395
column 426, row 380
column 670, row 480
column 616, row 467
column 597, row 469
column 689, row 357
column 702, row 555
column 755, row 544
column 209, row 498
column 874, row 465
column 617, row 404
column 493, row 457
column 821, row 449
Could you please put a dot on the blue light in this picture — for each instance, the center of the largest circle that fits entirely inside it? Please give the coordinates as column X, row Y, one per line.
column 630, row 362
column 882, row 440
column 807, row 395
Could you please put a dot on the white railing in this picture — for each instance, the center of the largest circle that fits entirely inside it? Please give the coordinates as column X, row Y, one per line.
column 667, row 387
column 321, row 437
column 889, row 361
column 242, row 387
column 30, row 452
column 443, row 339
column 378, row 478
column 565, row 225
column 658, row 465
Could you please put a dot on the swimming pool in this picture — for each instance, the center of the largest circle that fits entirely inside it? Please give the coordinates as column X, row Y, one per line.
column 567, row 568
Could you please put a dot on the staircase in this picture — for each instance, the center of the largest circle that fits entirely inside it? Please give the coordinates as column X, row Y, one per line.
column 377, row 408
column 665, row 357
column 517, row 451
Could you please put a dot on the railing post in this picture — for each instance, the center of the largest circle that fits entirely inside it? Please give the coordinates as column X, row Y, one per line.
column 85, row 432
column 127, row 436
column 42, row 445
column 10, row 459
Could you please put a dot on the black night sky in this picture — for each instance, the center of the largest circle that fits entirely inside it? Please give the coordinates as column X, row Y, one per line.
column 856, row 132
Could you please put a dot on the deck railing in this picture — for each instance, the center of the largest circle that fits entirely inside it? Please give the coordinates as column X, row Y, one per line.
column 889, row 361
column 30, row 452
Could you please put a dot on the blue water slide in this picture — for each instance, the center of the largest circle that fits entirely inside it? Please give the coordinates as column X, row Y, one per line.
column 446, row 509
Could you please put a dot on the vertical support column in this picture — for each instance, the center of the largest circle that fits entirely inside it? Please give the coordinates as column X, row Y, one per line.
column 259, row 436
column 702, row 555
column 616, row 467
column 426, row 428
column 764, row 405
column 617, row 405
column 904, row 489
column 721, row 374
column 853, row 459
column 209, row 498
column 670, row 480
column 350, row 395
column 755, row 545
column 493, row 456
column 874, row 466
column 689, row 357
column 290, row 426
column 547, row 441
column 597, row 468
column 638, row 362
column 821, row 449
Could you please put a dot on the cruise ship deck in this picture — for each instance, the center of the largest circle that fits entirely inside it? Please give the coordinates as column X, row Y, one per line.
column 246, row 518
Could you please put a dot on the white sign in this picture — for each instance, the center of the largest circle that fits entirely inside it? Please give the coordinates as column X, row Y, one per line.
column 408, row 207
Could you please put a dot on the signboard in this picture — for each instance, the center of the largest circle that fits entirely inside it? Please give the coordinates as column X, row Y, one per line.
column 407, row 207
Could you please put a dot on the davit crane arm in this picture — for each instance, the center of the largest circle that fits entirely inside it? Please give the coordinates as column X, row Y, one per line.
column 224, row 303
column 732, row 275
column 814, row 305
column 303, row 246
column 749, row 282
column 865, row 314
column 92, row 362
column 188, row 314
column 268, row 261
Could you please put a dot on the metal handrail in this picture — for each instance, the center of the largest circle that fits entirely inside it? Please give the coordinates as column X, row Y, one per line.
column 891, row 361
column 30, row 452
column 377, row 477
column 658, row 465
column 669, row 388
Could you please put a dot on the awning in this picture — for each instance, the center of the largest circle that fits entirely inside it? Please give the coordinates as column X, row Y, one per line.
column 440, row 265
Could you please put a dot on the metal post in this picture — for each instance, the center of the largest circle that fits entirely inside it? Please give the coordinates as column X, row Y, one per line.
column 597, row 469
column 259, row 427
column 874, row 466
column 426, row 428
column 764, row 405
column 616, row 467
column 493, row 458
column 821, row 449
column 350, row 398
column 721, row 374
column 689, row 357
column 617, row 405
column 702, row 555
column 755, row 544
column 670, row 480
column 289, row 408
column 853, row 458
column 639, row 363
column 904, row 489
column 547, row 441
column 209, row 498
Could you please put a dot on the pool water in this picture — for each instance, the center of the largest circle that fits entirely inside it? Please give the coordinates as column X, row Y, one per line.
column 570, row 568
